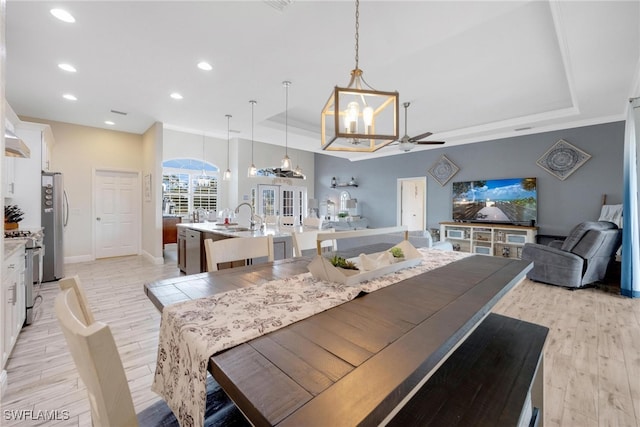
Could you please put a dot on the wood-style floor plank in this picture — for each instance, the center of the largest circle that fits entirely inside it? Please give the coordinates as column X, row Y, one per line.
column 41, row 374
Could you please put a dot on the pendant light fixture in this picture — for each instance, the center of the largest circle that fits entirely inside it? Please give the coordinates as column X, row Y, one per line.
column 285, row 165
column 358, row 117
column 252, row 172
column 203, row 180
column 227, row 174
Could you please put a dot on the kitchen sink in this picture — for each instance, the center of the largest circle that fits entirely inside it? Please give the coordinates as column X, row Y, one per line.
column 234, row 229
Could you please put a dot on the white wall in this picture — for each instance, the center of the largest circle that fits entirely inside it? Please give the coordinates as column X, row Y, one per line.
column 77, row 152
column 151, row 209
column 231, row 193
column 188, row 145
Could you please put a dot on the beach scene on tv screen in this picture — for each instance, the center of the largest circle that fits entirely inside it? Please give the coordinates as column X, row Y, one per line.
column 498, row 200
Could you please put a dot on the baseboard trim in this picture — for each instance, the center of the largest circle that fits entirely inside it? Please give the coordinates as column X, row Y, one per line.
column 152, row 259
column 77, row 259
column 630, row 293
column 3, row 382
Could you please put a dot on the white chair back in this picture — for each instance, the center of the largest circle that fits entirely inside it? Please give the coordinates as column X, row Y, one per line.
column 236, row 249
column 98, row 362
column 305, row 240
column 271, row 220
column 73, row 282
column 312, row 222
column 287, row 221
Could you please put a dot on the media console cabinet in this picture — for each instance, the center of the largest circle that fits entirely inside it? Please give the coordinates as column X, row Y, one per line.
column 488, row 239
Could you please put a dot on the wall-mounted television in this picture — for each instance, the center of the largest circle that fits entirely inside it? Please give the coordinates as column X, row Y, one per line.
column 504, row 201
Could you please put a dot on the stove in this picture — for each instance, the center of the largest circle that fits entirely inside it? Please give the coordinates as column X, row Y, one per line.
column 34, row 251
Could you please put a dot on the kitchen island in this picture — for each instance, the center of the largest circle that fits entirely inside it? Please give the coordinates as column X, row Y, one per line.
column 191, row 236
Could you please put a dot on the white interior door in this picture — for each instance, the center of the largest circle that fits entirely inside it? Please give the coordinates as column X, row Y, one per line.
column 117, row 213
column 412, row 194
column 268, row 200
column 293, row 204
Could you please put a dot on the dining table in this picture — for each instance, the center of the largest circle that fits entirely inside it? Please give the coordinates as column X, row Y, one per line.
column 356, row 363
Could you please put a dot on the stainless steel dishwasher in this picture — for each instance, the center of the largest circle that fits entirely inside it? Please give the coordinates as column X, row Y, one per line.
column 192, row 259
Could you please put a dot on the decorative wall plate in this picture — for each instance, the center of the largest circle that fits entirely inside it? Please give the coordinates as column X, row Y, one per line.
column 443, row 170
column 562, row 159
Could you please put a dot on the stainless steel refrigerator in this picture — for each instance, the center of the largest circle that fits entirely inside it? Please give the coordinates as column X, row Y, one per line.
column 55, row 214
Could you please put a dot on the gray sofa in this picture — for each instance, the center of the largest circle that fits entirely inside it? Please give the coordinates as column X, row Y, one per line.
column 582, row 258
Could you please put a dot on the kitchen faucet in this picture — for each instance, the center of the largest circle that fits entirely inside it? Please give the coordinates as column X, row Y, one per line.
column 252, row 222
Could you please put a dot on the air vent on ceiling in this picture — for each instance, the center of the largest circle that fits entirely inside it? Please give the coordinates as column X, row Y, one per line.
column 278, row 4
column 122, row 113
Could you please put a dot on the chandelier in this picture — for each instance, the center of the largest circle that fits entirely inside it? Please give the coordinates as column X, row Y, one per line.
column 358, row 117
column 285, row 164
column 252, row 171
column 227, row 174
column 203, row 180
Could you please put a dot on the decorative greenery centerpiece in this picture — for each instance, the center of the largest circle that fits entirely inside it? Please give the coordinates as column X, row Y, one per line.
column 338, row 261
column 397, row 252
column 352, row 271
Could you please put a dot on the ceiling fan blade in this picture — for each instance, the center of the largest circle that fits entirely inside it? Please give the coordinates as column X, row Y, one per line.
column 423, row 135
column 430, row 142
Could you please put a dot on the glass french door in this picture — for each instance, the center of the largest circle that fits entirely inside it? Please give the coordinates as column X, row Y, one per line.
column 289, row 202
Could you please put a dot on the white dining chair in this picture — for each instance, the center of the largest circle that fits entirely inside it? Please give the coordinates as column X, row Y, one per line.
column 306, row 240
column 73, row 283
column 287, row 221
column 237, row 249
column 98, row 362
column 312, row 222
column 271, row 221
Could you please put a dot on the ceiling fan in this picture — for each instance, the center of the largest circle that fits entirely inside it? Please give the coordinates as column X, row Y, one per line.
column 407, row 143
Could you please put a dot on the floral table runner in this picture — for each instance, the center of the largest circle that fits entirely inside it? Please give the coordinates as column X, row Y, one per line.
column 192, row 331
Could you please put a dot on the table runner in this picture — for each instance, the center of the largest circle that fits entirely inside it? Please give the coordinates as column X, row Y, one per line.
column 193, row 331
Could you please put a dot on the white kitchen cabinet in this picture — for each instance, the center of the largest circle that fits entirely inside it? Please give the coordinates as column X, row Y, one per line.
column 46, row 146
column 9, row 176
column 13, row 301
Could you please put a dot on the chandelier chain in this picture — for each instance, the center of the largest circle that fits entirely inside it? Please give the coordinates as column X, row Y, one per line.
column 228, row 138
column 253, row 103
column 357, row 31
column 286, row 117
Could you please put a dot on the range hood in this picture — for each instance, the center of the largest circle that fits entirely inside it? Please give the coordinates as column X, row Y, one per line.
column 14, row 146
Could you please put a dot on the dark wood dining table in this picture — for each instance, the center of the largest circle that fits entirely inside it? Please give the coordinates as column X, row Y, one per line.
column 353, row 364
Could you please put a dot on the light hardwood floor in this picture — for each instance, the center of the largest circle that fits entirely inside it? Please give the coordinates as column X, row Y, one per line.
column 592, row 356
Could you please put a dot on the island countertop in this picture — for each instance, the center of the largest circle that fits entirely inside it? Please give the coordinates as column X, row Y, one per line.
column 237, row 230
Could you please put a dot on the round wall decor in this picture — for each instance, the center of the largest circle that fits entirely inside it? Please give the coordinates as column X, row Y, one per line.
column 562, row 159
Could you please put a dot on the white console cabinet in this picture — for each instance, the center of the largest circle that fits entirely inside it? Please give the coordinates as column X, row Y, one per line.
column 488, row 239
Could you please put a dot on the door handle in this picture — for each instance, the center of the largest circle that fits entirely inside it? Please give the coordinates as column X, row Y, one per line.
column 98, row 219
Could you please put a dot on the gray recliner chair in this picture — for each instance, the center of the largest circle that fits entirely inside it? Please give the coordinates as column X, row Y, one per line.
column 582, row 258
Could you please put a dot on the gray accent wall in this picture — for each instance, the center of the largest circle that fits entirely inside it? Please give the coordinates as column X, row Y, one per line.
column 561, row 204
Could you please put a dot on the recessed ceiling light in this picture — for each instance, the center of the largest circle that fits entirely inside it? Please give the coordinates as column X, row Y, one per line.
column 109, row 122
column 205, row 66
column 69, row 97
column 176, row 95
column 63, row 15
column 67, row 67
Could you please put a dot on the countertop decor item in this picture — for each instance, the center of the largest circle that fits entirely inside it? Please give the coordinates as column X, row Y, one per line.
column 12, row 216
column 358, row 117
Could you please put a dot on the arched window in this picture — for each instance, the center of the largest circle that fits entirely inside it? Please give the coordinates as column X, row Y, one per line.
column 189, row 184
